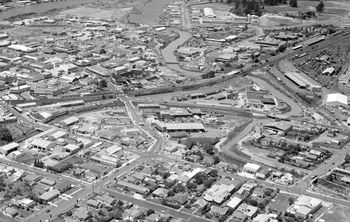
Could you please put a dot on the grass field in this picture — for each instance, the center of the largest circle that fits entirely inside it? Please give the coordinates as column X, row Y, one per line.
column 338, row 214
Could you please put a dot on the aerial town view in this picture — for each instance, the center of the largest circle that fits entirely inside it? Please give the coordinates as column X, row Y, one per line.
column 175, row 110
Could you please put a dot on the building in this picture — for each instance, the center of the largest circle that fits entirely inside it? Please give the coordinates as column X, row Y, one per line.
column 304, row 206
column 49, row 195
column 5, row 150
column 70, row 121
column 220, row 191
column 248, row 210
column 234, row 202
column 172, row 127
column 303, row 81
column 279, row 128
column 336, row 99
column 130, row 186
column 42, row 144
column 209, row 13
column 251, row 168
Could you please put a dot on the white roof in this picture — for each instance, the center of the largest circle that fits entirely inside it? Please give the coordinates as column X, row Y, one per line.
column 71, row 147
column 41, row 143
column 252, row 166
column 70, row 120
column 337, row 97
column 113, row 149
column 234, row 202
column 58, row 134
column 10, row 146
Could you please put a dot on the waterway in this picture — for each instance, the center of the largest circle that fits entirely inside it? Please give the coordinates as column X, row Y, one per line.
column 150, row 16
column 170, row 57
column 41, row 8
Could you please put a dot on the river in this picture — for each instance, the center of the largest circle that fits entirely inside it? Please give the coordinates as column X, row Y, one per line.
column 41, row 8
column 170, row 57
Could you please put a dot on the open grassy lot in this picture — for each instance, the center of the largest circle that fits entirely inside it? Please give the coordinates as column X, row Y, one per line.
column 337, row 213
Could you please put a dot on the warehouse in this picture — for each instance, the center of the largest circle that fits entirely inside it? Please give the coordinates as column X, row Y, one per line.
column 172, row 127
column 302, row 81
column 99, row 70
column 5, row 150
column 42, row 144
column 336, row 99
column 209, row 13
column 70, row 121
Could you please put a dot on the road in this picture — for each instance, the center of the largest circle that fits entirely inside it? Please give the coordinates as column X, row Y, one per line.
column 295, row 107
column 158, row 207
column 154, row 152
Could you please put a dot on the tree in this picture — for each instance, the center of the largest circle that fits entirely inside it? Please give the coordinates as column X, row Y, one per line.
column 290, row 200
column 5, row 134
column 293, row 3
column 282, row 48
column 320, row 7
column 38, row 163
column 103, row 83
column 216, row 160
column 149, row 212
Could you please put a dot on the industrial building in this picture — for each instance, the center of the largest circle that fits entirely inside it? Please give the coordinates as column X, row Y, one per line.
column 209, row 13
column 336, row 99
column 303, row 81
column 172, row 127
column 5, row 150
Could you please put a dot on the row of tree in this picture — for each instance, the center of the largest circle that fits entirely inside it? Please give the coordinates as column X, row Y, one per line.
column 255, row 6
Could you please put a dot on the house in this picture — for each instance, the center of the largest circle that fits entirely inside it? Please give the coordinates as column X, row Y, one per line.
column 265, row 218
column 31, row 178
column 133, row 213
column 234, row 202
column 63, row 186
column 218, row 211
column 160, row 192
column 81, row 214
column 304, row 206
column 47, row 181
column 10, row 211
column 27, row 203
column 105, row 199
column 220, row 191
column 93, row 203
column 263, row 173
column 49, row 195
column 251, row 169
column 238, row 217
column 248, row 210
column 200, row 203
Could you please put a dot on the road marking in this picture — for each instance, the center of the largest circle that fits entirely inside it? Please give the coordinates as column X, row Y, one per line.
column 75, row 192
column 52, row 204
column 67, row 195
column 64, row 198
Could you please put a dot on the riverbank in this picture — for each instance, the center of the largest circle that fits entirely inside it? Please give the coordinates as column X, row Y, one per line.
column 148, row 13
column 41, row 8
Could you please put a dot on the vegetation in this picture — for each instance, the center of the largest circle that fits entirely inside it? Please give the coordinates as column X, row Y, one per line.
column 38, row 163
column 274, row 2
column 320, row 7
column 5, row 134
column 293, row 3
column 244, row 7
